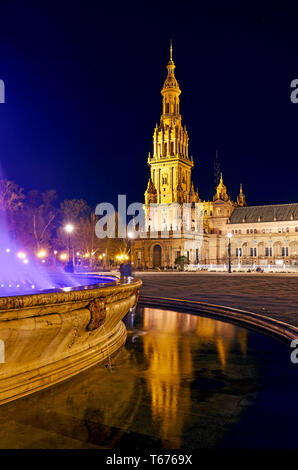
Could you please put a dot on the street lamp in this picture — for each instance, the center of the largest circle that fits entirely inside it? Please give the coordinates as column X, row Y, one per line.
column 229, row 252
column 69, row 228
column 41, row 254
column 130, row 237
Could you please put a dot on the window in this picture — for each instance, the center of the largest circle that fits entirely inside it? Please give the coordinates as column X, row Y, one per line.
column 285, row 251
column 253, row 252
column 268, row 252
column 239, row 252
column 255, row 230
column 296, row 229
column 247, row 230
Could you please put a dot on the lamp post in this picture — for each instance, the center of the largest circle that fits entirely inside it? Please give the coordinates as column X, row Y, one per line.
column 130, row 238
column 69, row 228
column 239, row 253
column 287, row 250
column 229, row 252
column 270, row 252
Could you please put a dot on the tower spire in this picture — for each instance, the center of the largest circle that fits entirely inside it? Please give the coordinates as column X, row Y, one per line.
column 216, row 170
column 170, row 163
column 241, row 199
column 221, row 191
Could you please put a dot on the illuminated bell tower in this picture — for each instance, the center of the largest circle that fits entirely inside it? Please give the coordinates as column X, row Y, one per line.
column 170, row 164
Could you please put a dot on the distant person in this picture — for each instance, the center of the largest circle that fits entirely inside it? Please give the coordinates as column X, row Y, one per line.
column 69, row 268
column 121, row 270
column 127, row 270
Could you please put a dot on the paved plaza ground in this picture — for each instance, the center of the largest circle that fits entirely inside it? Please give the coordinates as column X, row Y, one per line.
column 274, row 295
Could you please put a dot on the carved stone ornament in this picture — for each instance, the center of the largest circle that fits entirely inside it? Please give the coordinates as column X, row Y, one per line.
column 137, row 294
column 97, row 309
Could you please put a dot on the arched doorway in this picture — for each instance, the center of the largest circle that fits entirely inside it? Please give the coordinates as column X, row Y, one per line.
column 157, row 256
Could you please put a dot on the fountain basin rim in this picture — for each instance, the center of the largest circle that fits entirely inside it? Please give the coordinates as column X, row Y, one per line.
column 282, row 331
column 42, row 303
column 58, row 277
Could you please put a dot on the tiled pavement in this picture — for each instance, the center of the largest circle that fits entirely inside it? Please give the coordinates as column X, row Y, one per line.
column 275, row 295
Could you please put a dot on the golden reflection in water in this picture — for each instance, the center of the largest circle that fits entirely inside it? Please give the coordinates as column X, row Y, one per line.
column 169, row 347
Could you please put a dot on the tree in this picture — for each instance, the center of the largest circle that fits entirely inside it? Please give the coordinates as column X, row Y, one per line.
column 181, row 261
column 74, row 209
column 11, row 195
column 83, row 238
column 112, row 245
column 11, row 202
column 36, row 224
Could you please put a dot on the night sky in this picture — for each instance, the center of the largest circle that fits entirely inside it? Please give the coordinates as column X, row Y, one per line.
column 83, row 94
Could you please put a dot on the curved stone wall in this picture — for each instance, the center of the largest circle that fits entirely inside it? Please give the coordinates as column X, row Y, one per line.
column 52, row 336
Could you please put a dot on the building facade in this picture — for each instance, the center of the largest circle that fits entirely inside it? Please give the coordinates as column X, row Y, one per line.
column 178, row 223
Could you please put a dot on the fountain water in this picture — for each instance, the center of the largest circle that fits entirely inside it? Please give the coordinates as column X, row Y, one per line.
column 23, row 274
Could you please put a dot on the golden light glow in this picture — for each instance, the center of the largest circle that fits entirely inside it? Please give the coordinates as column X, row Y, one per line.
column 21, row 255
column 63, row 256
column 41, row 254
column 122, row 257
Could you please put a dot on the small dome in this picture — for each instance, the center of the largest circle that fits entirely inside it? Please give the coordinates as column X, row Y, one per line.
column 170, row 82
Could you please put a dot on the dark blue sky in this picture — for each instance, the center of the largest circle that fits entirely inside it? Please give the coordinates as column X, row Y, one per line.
column 83, row 94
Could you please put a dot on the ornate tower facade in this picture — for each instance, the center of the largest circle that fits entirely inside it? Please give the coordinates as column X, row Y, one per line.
column 170, row 164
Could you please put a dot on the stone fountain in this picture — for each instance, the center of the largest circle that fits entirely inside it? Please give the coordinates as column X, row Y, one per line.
column 53, row 326
column 51, row 336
